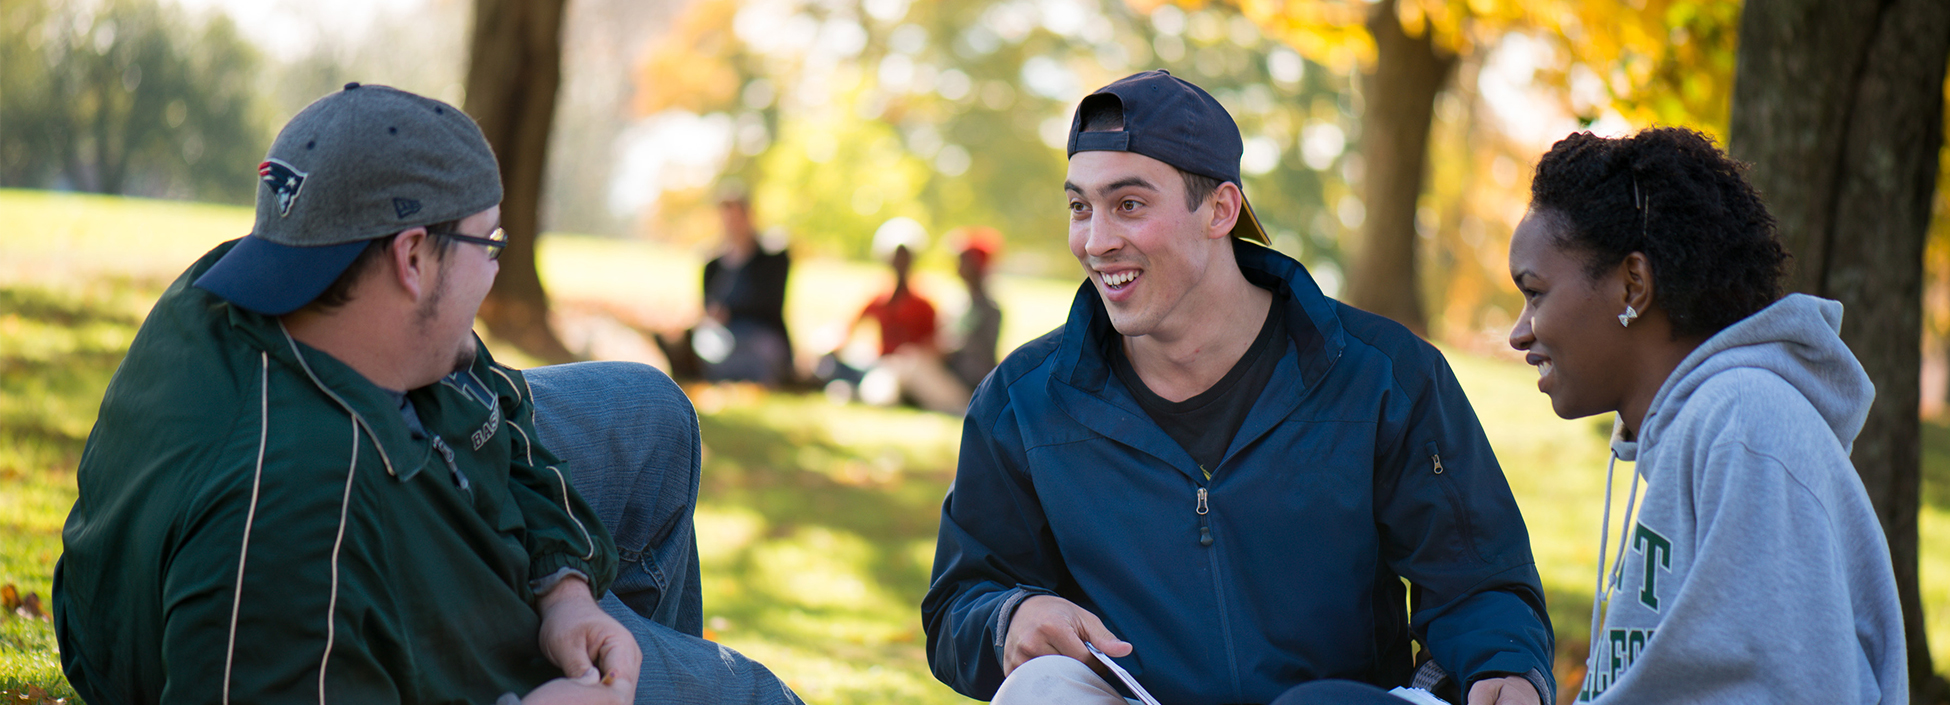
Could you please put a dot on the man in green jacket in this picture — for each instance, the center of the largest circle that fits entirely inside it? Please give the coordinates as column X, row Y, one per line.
column 309, row 482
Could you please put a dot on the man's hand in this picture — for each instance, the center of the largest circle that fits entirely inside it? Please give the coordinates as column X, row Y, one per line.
column 1508, row 690
column 1046, row 624
column 582, row 639
column 577, row 691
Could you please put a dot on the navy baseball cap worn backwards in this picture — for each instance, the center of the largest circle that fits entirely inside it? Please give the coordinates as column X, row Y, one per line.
column 1168, row 119
column 357, row 165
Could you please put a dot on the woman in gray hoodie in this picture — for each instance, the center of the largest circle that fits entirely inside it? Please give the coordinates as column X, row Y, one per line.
column 1754, row 569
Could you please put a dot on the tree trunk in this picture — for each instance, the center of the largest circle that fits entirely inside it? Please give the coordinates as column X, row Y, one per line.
column 1839, row 107
column 1401, row 91
column 514, row 70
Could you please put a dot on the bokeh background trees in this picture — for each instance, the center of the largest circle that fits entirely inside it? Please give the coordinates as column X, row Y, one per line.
column 128, row 96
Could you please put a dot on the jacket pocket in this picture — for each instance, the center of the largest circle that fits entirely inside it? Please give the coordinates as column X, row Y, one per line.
column 1444, row 477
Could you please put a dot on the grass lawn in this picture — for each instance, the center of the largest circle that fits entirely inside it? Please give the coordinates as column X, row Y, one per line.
column 816, row 522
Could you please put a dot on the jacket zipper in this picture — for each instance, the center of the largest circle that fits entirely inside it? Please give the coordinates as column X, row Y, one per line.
column 1204, row 509
column 1204, row 527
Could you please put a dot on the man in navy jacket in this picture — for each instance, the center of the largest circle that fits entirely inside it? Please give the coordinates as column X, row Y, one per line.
column 1216, row 474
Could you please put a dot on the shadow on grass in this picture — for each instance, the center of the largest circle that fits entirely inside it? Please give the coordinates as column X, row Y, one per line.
column 61, row 310
column 840, row 541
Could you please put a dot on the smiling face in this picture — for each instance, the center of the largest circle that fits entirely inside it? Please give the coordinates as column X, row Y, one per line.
column 1144, row 250
column 1569, row 326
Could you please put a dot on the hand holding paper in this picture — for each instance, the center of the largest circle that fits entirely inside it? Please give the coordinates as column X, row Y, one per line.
column 1045, row 624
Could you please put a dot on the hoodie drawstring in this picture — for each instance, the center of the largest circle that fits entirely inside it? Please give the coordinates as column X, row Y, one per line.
column 1601, row 594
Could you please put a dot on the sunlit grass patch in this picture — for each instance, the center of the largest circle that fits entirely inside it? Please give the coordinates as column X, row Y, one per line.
column 58, row 348
column 816, row 534
column 65, row 238
column 29, row 656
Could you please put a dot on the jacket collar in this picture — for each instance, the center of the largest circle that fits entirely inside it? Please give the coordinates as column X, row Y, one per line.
column 371, row 408
column 1083, row 385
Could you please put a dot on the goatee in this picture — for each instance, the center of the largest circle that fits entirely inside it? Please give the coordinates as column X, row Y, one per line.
column 465, row 358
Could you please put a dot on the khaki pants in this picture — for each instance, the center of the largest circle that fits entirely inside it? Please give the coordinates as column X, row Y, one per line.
column 1057, row 680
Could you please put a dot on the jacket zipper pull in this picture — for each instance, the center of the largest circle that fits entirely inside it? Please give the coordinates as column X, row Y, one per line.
column 1437, row 458
column 447, row 454
column 1204, row 528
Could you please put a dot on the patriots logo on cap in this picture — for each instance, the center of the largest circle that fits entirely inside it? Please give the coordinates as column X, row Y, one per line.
column 285, row 181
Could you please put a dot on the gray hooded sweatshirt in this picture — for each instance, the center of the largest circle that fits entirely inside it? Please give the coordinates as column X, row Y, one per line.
column 1756, row 571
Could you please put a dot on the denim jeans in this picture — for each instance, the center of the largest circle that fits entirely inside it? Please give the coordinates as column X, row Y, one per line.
column 630, row 438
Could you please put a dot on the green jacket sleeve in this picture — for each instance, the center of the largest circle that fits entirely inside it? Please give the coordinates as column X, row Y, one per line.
column 562, row 530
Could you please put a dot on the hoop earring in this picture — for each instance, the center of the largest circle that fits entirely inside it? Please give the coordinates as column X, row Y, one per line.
column 1625, row 319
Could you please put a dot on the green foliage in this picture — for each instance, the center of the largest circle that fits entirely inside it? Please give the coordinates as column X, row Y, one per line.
column 848, row 113
column 126, row 96
column 882, row 180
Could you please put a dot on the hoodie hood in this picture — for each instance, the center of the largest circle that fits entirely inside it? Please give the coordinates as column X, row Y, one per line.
column 1797, row 338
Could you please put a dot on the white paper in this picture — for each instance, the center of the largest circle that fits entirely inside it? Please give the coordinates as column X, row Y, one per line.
column 1417, row 696
column 1123, row 675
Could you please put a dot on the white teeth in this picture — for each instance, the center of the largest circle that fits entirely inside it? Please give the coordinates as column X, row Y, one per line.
column 1543, row 368
column 1120, row 278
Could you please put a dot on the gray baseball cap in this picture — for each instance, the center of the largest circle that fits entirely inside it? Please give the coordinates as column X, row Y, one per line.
column 360, row 164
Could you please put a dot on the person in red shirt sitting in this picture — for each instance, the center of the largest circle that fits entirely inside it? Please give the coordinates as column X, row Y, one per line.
column 905, row 318
column 910, row 367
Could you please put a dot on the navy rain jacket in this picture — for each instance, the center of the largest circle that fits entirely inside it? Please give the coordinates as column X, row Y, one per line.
column 1360, row 465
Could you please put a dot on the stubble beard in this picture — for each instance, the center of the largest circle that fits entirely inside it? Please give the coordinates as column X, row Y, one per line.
column 429, row 310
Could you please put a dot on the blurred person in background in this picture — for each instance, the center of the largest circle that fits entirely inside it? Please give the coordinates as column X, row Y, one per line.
column 916, row 365
column 1651, row 276
column 743, row 337
column 310, row 480
column 979, row 330
column 906, row 319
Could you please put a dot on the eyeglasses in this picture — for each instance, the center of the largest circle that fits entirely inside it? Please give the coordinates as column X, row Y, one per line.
column 494, row 242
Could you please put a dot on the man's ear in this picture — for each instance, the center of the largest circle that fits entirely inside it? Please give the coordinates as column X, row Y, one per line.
column 1227, row 200
column 412, row 259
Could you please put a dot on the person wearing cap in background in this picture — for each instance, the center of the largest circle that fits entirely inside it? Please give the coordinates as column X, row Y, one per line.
column 980, row 328
column 906, row 318
column 907, row 331
column 1237, row 488
column 915, row 365
column 310, row 481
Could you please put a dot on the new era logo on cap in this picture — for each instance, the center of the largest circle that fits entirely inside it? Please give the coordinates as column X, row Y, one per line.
column 285, row 181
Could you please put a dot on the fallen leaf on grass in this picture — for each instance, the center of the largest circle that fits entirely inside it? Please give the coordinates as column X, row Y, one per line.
column 30, row 607
column 34, row 695
column 11, row 603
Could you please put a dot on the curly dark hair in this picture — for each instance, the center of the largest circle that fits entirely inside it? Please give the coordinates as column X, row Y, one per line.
column 1671, row 194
